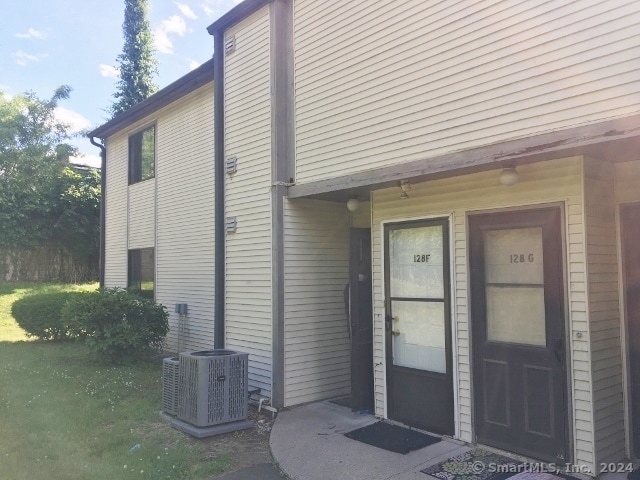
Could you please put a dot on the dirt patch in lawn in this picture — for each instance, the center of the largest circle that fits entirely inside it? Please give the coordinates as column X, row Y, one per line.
column 244, row 448
column 234, row 450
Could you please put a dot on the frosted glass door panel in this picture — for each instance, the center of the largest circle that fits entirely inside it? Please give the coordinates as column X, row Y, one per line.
column 415, row 262
column 419, row 338
column 514, row 278
column 516, row 315
column 514, row 256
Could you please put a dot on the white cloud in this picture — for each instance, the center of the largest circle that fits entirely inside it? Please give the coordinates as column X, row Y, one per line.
column 186, row 10
column 193, row 64
column 32, row 33
column 174, row 25
column 109, row 71
column 162, row 42
column 86, row 159
column 23, row 59
column 208, row 11
column 215, row 8
column 75, row 120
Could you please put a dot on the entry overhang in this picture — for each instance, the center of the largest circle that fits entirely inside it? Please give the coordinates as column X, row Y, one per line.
column 614, row 140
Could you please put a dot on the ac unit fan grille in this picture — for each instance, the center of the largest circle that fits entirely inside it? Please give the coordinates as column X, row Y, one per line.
column 213, row 389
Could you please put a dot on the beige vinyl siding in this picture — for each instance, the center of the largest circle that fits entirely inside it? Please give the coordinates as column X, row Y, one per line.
column 116, row 211
column 627, row 182
column 317, row 356
column 142, row 214
column 604, row 310
column 558, row 181
column 248, row 309
column 185, row 266
column 385, row 82
column 180, row 200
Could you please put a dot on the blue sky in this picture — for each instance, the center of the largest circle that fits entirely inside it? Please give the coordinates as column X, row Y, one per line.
column 48, row 43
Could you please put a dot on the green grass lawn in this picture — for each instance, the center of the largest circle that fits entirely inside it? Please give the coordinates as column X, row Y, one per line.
column 65, row 416
column 10, row 292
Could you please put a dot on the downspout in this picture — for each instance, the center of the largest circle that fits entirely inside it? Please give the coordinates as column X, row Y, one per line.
column 103, row 188
column 218, row 136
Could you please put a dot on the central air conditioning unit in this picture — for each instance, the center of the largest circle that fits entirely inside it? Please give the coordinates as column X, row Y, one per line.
column 170, row 381
column 213, row 387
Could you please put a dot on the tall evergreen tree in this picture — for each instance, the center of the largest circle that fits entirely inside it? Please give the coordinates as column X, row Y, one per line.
column 137, row 62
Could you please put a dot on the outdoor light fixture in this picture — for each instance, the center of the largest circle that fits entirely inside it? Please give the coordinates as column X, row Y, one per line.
column 509, row 176
column 353, row 204
column 405, row 186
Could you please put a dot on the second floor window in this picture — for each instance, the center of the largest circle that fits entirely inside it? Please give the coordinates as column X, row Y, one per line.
column 142, row 155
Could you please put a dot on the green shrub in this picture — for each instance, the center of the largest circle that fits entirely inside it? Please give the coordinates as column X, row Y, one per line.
column 118, row 325
column 40, row 315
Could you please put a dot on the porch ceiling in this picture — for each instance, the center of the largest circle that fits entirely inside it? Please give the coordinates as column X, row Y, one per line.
column 614, row 141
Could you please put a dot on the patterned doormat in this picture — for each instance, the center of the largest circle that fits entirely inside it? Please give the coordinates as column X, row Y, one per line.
column 476, row 464
column 392, row 437
column 480, row 464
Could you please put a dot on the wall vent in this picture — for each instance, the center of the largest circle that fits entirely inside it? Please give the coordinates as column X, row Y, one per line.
column 213, row 387
column 229, row 45
column 231, row 224
column 231, row 165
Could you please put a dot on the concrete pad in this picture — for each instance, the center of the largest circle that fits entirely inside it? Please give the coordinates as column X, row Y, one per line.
column 203, row 432
column 308, row 443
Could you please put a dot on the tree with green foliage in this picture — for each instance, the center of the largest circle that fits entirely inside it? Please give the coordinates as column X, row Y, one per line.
column 49, row 210
column 137, row 62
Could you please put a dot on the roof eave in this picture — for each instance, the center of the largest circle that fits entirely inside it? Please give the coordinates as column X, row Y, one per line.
column 181, row 87
column 237, row 13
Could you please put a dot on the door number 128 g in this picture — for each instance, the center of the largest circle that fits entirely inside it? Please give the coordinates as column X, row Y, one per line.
column 522, row 258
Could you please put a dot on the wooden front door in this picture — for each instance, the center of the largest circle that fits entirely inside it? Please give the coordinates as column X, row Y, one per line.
column 418, row 325
column 517, row 308
column 630, row 228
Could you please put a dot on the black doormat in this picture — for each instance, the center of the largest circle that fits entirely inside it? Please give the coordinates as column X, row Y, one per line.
column 342, row 401
column 391, row 437
column 556, row 475
column 480, row 464
column 475, row 464
column 635, row 475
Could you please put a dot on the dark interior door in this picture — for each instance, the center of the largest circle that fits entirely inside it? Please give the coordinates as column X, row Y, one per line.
column 418, row 325
column 630, row 228
column 361, row 319
column 518, row 332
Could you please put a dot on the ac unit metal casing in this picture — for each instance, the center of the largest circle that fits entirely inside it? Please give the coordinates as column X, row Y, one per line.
column 170, row 381
column 213, row 387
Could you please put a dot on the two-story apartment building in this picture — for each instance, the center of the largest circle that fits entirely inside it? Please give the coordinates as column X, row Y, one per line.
column 488, row 154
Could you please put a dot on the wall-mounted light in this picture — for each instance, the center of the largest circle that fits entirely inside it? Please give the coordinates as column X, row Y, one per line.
column 405, row 186
column 509, row 176
column 353, row 204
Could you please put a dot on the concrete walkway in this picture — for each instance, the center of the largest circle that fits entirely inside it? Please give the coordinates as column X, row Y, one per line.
column 308, row 443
